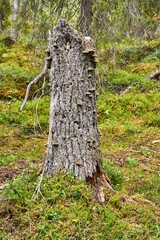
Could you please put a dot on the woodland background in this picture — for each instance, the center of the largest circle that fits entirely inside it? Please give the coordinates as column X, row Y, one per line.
column 127, row 39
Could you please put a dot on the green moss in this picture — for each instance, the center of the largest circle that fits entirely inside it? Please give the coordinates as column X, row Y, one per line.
column 146, row 68
column 129, row 123
column 114, row 174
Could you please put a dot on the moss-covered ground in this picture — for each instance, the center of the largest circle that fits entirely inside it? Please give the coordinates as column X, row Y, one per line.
column 130, row 144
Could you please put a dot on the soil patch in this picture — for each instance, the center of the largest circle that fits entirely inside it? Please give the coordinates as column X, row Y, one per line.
column 7, row 174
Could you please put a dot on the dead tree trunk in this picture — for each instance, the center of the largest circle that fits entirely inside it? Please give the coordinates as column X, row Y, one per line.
column 73, row 142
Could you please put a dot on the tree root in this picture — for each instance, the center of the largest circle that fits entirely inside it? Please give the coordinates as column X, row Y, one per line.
column 99, row 187
column 136, row 199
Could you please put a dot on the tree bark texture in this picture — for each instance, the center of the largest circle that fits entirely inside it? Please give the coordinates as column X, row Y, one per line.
column 14, row 31
column 85, row 20
column 73, row 142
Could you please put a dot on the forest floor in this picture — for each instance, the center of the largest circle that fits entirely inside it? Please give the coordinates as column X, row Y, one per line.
column 130, row 143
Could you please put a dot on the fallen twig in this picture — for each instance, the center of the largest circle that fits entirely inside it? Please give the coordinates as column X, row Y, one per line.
column 154, row 75
column 36, row 114
column 106, row 184
column 126, row 90
column 38, row 188
column 150, row 170
column 156, row 141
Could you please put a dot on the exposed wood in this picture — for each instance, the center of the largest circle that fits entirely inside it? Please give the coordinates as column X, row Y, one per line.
column 36, row 80
column 126, row 90
column 106, row 183
column 154, row 75
column 156, row 141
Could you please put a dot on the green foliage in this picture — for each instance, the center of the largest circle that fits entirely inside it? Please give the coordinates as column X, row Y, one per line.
column 3, row 235
column 21, row 188
column 3, row 49
column 131, row 161
column 4, row 13
column 55, row 215
column 132, row 54
column 114, row 174
column 52, row 215
column 120, row 80
column 28, row 118
column 123, row 21
column 155, row 56
column 65, row 207
column 7, row 159
column 17, row 68
column 17, row 74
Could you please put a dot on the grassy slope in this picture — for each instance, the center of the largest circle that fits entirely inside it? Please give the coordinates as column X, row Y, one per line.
column 130, row 148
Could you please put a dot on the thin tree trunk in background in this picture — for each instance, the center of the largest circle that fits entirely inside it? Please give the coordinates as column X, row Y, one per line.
column 1, row 21
column 73, row 142
column 85, row 20
column 14, row 30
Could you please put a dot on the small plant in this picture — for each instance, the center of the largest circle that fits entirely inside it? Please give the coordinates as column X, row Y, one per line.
column 145, row 152
column 2, row 236
column 52, row 215
column 70, row 177
column 41, row 228
column 77, row 194
column 114, row 174
column 6, row 160
column 132, row 161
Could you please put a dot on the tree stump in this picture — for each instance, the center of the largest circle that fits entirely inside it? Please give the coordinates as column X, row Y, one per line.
column 73, row 141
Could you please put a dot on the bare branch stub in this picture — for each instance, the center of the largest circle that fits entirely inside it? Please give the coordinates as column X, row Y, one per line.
column 47, row 66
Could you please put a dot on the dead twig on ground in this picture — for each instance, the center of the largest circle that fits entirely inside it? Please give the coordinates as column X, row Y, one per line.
column 154, row 75
column 126, row 90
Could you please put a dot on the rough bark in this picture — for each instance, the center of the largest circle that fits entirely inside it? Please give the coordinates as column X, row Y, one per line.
column 73, row 142
column 14, row 31
column 85, row 19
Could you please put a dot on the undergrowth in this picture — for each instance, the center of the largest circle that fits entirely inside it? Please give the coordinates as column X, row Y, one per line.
column 129, row 124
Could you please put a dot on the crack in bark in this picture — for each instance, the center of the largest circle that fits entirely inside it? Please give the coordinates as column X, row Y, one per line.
column 73, row 112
